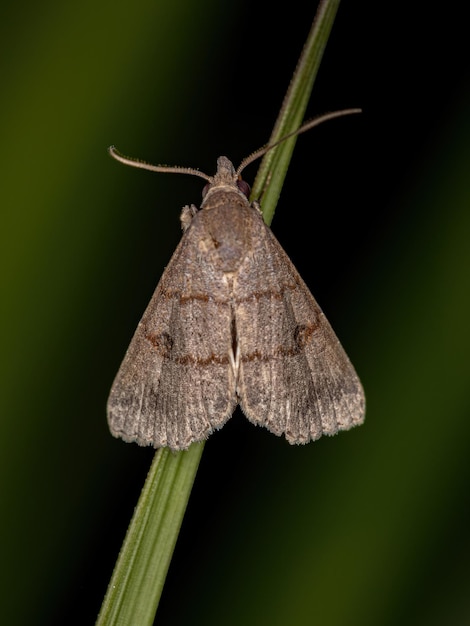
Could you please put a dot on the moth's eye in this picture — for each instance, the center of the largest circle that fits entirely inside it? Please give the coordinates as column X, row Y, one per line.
column 244, row 187
column 205, row 190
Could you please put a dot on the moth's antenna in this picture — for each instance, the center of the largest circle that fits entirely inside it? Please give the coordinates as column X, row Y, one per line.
column 316, row 121
column 172, row 169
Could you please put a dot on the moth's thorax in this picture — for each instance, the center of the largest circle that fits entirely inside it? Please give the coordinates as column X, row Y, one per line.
column 218, row 194
column 226, row 233
column 223, row 196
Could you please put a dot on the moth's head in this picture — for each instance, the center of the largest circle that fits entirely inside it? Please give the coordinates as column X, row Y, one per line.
column 226, row 177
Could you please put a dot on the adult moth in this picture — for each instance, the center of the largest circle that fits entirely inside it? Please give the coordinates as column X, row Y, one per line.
column 231, row 322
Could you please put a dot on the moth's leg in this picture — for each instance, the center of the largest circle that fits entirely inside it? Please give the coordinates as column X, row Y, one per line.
column 187, row 214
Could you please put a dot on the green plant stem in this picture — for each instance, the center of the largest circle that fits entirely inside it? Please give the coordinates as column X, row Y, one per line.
column 136, row 585
column 137, row 581
column 273, row 169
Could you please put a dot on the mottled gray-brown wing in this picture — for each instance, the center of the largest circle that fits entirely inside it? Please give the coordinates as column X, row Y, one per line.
column 294, row 378
column 175, row 384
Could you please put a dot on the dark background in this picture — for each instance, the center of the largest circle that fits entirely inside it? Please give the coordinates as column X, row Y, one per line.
column 370, row 527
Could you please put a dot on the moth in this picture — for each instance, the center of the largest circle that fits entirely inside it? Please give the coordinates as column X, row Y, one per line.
column 231, row 323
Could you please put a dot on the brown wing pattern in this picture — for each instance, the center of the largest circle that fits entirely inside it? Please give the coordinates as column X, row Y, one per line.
column 295, row 378
column 175, row 384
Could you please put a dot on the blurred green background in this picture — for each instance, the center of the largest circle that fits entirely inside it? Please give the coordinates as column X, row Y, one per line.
column 370, row 527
